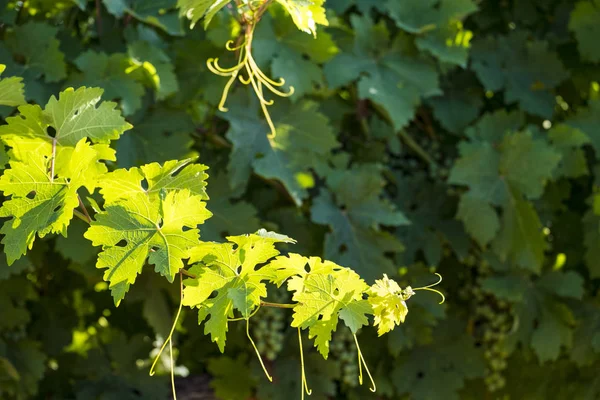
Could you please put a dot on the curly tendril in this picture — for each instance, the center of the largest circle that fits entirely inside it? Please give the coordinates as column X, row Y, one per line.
column 255, row 77
column 409, row 292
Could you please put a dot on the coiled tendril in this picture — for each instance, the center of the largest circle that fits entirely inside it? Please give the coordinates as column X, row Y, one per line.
column 255, row 76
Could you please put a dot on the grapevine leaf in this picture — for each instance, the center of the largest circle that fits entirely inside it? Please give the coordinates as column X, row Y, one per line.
column 426, row 206
column 74, row 116
column 591, row 223
column 11, row 90
column 512, row 63
column 389, row 308
column 225, row 370
column 40, row 203
column 480, row 218
column 585, row 24
column 527, row 163
column 108, row 72
column 521, row 239
column 151, row 229
column 450, row 43
column 324, row 292
column 587, row 120
column 418, row 17
column 586, row 339
column 439, row 370
column 231, row 272
column 350, row 243
column 37, row 43
column 439, row 24
column 13, row 293
column 489, row 168
column 354, row 239
column 172, row 175
column 290, row 57
column 196, row 9
column 229, row 217
column 355, row 314
column 6, row 271
column 302, row 134
column 28, row 360
column 395, row 81
column 457, row 108
column 161, row 136
column 542, row 311
column 155, row 67
column 492, row 127
column 306, row 14
column 158, row 13
column 323, row 298
column 74, row 246
column 569, row 141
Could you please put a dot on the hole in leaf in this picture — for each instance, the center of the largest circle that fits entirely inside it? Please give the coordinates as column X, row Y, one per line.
column 186, row 228
column 31, row 195
column 76, row 113
column 57, row 208
column 121, row 243
column 154, row 248
column 145, row 184
column 51, row 131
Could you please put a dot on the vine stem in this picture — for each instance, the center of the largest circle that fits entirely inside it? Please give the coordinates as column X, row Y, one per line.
column 86, row 214
column 276, row 305
column 187, row 273
column 415, row 147
column 80, row 215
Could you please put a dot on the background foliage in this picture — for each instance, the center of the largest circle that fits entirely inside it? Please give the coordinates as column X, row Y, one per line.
column 456, row 136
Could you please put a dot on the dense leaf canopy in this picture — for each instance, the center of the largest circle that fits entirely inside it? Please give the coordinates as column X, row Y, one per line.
column 457, row 137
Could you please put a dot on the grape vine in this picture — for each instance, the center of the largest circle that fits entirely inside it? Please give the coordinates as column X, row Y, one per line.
column 150, row 215
column 392, row 139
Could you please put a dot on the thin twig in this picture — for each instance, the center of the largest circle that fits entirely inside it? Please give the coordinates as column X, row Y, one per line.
column 85, row 211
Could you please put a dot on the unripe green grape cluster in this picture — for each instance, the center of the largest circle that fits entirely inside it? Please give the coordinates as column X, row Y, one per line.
column 343, row 350
column 269, row 330
column 493, row 319
column 440, row 169
column 15, row 334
